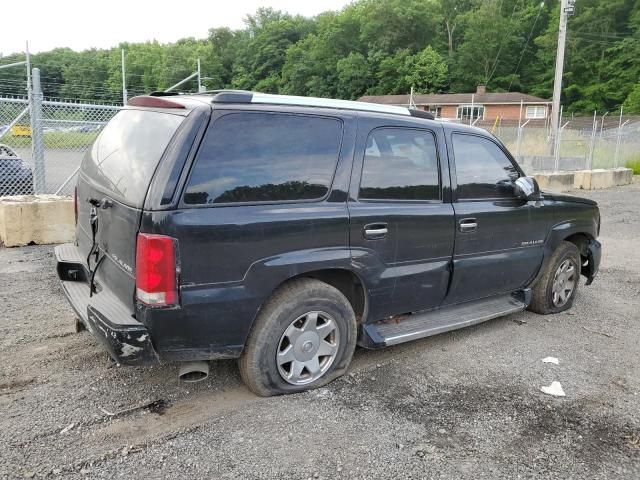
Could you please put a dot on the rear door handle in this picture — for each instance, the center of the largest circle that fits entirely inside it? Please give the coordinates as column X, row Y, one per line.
column 375, row 231
column 467, row 225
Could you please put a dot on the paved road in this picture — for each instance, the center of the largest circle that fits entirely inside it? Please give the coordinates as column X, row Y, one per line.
column 59, row 165
column 462, row 405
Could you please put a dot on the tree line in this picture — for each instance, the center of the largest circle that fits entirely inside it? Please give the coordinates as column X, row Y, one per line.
column 376, row 47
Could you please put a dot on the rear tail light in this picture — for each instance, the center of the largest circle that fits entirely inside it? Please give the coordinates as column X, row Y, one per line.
column 156, row 270
column 75, row 204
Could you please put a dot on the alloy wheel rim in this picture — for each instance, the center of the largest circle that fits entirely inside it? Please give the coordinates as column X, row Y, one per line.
column 308, row 348
column 564, row 283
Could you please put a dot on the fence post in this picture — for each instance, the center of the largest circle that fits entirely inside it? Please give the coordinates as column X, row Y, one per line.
column 519, row 140
column 556, row 156
column 615, row 157
column 592, row 146
column 37, row 134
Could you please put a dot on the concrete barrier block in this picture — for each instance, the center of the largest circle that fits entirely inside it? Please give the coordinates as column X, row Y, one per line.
column 38, row 219
column 622, row 176
column 593, row 179
column 554, row 181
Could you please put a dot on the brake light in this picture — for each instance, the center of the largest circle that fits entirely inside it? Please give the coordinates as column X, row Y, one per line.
column 75, row 204
column 156, row 270
column 153, row 102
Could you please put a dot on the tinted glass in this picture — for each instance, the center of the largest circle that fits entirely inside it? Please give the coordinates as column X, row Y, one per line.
column 482, row 168
column 400, row 164
column 126, row 153
column 261, row 157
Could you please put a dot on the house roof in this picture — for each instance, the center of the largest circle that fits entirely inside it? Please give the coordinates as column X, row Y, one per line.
column 455, row 98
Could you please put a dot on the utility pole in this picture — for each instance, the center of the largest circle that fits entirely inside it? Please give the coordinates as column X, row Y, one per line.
column 566, row 8
column 124, row 81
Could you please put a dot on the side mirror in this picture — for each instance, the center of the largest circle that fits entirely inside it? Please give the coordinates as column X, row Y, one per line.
column 527, row 188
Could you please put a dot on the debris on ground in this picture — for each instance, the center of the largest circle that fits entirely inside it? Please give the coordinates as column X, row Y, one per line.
column 633, row 441
column 67, row 428
column 599, row 333
column 155, row 406
column 555, row 389
column 553, row 360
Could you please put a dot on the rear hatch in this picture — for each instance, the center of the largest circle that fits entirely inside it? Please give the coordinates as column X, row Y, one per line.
column 112, row 184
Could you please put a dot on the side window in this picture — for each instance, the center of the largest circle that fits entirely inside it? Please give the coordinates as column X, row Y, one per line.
column 482, row 168
column 265, row 157
column 400, row 164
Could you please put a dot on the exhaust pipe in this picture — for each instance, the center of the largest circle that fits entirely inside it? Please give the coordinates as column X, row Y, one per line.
column 192, row 372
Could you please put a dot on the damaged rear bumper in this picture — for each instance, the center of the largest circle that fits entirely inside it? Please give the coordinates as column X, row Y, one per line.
column 107, row 318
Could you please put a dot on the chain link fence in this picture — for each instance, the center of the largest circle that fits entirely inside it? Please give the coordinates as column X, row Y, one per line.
column 42, row 142
column 16, row 173
column 582, row 143
column 41, row 153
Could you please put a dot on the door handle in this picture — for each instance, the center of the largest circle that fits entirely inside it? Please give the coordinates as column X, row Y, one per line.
column 467, row 225
column 375, row 231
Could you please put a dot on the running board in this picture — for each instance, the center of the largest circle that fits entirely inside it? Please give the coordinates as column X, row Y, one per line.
column 424, row 324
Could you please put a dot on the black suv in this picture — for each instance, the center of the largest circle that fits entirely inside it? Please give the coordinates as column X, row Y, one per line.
column 285, row 230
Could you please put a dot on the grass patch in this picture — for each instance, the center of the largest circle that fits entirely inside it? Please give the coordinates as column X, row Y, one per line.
column 66, row 140
column 634, row 165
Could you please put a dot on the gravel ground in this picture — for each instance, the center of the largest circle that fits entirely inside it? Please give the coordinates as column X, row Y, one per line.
column 462, row 405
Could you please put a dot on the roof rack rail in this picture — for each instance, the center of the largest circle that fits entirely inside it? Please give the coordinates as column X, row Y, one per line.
column 243, row 96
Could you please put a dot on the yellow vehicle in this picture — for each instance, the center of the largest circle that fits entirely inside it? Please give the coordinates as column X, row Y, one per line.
column 21, row 131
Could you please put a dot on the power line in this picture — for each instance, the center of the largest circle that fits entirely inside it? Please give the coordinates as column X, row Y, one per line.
column 495, row 63
column 526, row 44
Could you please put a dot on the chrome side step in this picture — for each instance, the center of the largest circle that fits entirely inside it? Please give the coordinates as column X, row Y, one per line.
column 424, row 324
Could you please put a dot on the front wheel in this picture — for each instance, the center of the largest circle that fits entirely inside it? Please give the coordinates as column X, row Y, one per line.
column 303, row 338
column 556, row 289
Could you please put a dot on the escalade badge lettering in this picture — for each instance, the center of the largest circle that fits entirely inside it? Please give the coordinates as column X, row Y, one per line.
column 121, row 263
column 528, row 243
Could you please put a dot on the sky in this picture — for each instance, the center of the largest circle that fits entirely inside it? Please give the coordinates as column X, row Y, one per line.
column 82, row 24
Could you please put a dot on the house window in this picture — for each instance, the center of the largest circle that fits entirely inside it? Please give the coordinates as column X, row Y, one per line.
column 437, row 111
column 470, row 112
column 536, row 111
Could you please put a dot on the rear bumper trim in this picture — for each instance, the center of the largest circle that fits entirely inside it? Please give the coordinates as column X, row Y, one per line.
column 126, row 340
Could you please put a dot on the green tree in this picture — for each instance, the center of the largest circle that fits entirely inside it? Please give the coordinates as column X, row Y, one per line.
column 451, row 13
column 354, row 76
column 426, row 71
column 390, row 73
column 493, row 33
column 600, row 59
column 375, row 47
column 632, row 102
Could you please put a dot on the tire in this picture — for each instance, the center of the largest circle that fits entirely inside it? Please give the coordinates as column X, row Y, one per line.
column 545, row 299
column 285, row 328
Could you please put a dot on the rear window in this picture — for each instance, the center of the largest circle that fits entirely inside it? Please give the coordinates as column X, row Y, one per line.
column 265, row 157
column 125, row 154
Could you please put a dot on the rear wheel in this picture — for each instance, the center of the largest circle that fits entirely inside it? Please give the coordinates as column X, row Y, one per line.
column 556, row 289
column 303, row 338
